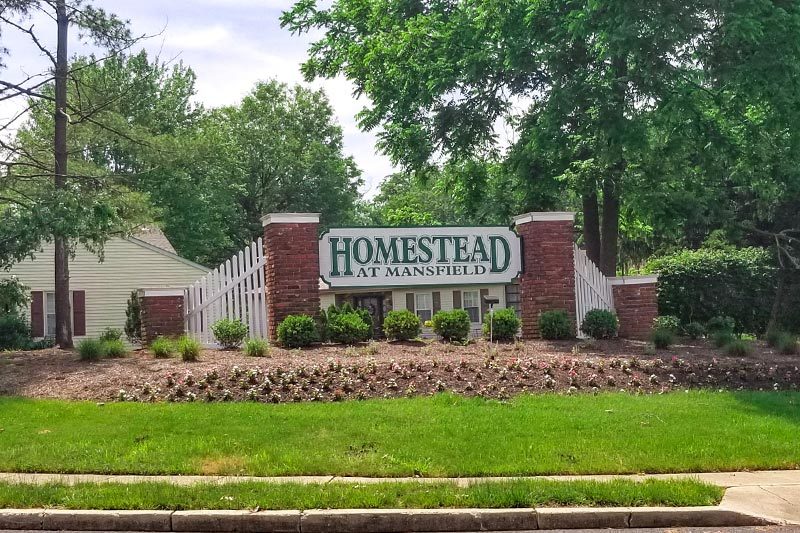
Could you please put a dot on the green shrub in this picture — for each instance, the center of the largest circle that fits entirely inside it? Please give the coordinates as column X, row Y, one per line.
column 297, row 331
column 15, row 334
column 348, row 328
column 14, row 296
column 111, row 334
column 401, row 325
column 700, row 284
column 600, row 324
column 555, row 325
column 256, row 347
column 739, row 348
column 773, row 336
column 668, row 322
column 230, row 333
column 787, row 344
column 452, row 325
column 133, row 319
column 504, row 324
column 162, row 347
column 722, row 338
column 663, row 338
column 694, row 330
column 90, row 349
column 113, row 347
column 188, row 348
column 717, row 324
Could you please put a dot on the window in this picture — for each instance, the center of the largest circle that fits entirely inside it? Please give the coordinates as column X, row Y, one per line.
column 472, row 305
column 50, row 313
column 423, row 305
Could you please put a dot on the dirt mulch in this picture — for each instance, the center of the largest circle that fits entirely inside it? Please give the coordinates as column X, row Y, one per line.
column 381, row 369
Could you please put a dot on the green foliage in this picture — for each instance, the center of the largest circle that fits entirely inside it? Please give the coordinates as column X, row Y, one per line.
column 739, row 348
column 663, row 338
column 701, row 284
column 722, row 338
column 772, row 336
column 230, row 333
column 133, row 319
column 256, row 348
column 669, row 322
column 13, row 295
column 111, row 334
column 787, row 344
column 505, row 324
column 15, row 333
column 694, row 330
column 162, row 347
column 717, row 324
column 90, row 349
column 297, row 331
column 347, row 328
column 555, row 325
column 452, row 325
column 401, row 325
column 188, row 348
column 113, row 347
column 600, row 324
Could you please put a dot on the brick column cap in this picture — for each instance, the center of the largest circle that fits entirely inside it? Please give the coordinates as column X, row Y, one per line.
column 543, row 216
column 290, row 218
column 633, row 280
column 161, row 291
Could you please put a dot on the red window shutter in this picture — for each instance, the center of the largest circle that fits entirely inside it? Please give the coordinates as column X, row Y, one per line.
column 456, row 299
column 37, row 314
column 79, row 313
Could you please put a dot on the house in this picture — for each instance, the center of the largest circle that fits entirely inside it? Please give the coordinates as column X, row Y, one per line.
column 99, row 290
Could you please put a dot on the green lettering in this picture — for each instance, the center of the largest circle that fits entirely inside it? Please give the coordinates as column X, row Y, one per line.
column 460, row 246
column 409, row 247
column 479, row 249
column 442, row 248
column 425, row 254
column 336, row 253
column 357, row 249
column 384, row 254
column 493, row 242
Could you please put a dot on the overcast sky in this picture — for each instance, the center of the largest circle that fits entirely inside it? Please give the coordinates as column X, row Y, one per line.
column 230, row 44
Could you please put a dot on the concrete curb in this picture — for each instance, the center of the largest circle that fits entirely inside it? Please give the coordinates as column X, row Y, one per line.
column 376, row 520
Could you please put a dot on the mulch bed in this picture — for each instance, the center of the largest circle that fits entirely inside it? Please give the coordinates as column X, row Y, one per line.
column 381, row 369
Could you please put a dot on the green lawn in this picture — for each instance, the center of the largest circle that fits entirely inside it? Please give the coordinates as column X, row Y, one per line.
column 249, row 495
column 434, row 436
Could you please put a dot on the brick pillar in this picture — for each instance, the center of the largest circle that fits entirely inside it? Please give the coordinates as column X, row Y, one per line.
column 548, row 266
column 291, row 249
column 162, row 313
column 636, row 305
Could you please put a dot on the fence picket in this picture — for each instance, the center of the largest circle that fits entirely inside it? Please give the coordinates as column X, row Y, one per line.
column 592, row 288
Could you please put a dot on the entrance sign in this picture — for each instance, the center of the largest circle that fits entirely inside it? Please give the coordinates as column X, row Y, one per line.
column 390, row 257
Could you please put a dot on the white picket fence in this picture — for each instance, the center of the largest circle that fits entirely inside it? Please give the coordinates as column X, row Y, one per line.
column 592, row 288
column 235, row 290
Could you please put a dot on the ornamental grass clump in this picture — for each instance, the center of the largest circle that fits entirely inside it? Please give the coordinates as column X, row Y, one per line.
column 502, row 324
column 694, row 330
column 113, row 347
column 722, row 339
column 188, row 348
column 256, row 348
column 230, row 333
column 739, row 348
column 401, row 325
column 663, row 338
column 600, row 324
column 555, row 325
column 162, row 347
column 452, row 326
column 90, row 349
column 297, row 331
column 787, row 344
column 720, row 324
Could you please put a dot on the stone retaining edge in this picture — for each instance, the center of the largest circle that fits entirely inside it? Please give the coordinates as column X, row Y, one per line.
column 376, row 520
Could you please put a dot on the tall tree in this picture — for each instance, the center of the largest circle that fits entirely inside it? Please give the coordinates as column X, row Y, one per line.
column 441, row 74
column 42, row 217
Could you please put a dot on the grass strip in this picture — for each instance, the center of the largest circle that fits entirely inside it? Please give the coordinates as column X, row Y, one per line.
column 442, row 435
column 384, row 495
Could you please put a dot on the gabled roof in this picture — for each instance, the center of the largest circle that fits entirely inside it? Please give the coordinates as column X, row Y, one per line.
column 154, row 239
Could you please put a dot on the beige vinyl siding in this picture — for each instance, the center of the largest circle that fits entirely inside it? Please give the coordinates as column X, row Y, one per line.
column 446, row 294
column 128, row 265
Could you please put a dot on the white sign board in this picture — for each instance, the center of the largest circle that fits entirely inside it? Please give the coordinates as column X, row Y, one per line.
column 394, row 257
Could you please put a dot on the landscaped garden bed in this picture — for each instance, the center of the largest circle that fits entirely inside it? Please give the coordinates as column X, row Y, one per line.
column 381, row 495
column 384, row 369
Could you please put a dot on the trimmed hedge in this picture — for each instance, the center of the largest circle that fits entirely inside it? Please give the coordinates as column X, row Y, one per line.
column 297, row 331
column 504, row 324
column 697, row 285
column 402, row 325
column 452, row 325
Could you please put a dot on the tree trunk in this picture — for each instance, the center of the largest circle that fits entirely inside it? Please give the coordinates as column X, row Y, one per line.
column 778, row 302
column 63, row 322
column 591, row 226
column 609, row 230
